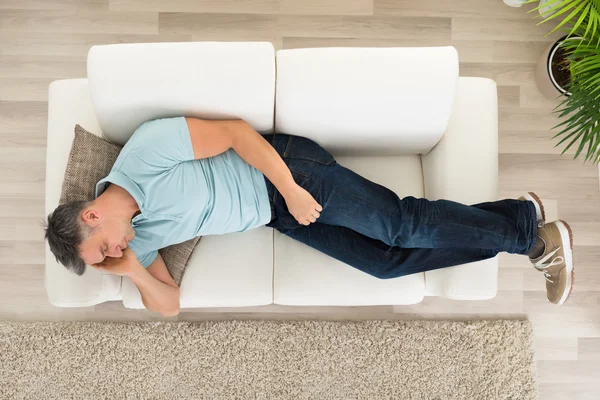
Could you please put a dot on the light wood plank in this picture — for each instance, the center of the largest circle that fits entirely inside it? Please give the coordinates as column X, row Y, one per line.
column 327, row 7
column 556, row 349
column 22, row 252
column 535, row 301
column 552, row 371
column 228, row 27
column 12, row 228
column 42, row 67
column 198, row 6
column 24, row 124
column 531, row 97
column 589, row 349
column 17, row 191
column 95, row 5
column 573, row 391
column 67, row 21
column 501, row 29
column 28, row 296
column 365, row 27
column 38, row 44
column 509, row 96
column 23, row 164
column 518, row 119
column 503, row 74
column 567, row 177
column 463, row 8
column 553, row 321
column 8, row 229
column 19, row 207
column 530, row 142
column 24, row 89
column 519, row 51
column 510, row 279
column 587, row 233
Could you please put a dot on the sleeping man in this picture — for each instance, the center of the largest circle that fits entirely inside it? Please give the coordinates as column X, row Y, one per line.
column 179, row 178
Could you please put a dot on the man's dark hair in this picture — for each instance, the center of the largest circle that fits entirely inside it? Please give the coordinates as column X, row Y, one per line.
column 65, row 232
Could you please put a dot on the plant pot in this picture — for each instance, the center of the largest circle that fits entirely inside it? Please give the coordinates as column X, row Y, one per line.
column 545, row 8
column 548, row 75
column 514, row 3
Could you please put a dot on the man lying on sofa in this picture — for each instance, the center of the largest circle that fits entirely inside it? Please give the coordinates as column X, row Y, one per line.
column 179, row 178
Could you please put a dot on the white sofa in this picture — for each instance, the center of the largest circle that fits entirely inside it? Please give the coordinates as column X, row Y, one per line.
column 399, row 116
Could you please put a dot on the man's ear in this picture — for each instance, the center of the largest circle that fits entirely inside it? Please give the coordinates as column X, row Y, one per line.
column 92, row 217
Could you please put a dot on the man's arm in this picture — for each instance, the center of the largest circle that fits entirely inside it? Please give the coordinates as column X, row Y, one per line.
column 159, row 292
column 211, row 138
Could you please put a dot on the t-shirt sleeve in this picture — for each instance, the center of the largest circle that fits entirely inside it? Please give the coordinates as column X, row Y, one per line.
column 162, row 143
column 147, row 258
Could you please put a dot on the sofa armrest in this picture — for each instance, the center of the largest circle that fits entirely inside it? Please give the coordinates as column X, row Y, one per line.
column 463, row 167
column 69, row 103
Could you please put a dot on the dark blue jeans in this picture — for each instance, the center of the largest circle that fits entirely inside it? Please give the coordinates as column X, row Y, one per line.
column 369, row 227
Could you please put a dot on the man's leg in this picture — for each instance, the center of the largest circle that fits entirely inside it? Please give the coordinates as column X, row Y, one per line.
column 354, row 202
column 413, row 235
column 377, row 258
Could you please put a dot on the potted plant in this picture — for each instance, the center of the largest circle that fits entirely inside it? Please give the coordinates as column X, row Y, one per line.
column 570, row 68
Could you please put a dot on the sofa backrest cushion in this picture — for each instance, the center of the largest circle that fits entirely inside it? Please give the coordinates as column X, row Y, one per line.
column 367, row 100
column 133, row 83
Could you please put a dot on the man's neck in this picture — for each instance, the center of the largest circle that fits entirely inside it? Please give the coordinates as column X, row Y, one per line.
column 118, row 200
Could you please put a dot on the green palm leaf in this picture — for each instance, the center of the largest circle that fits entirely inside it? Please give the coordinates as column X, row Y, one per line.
column 580, row 111
column 580, row 12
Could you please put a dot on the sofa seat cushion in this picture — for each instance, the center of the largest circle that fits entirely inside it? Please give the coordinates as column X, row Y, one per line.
column 232, row 270
column 305, row 276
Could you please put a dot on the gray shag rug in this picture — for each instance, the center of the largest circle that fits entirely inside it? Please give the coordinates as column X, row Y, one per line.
column 257, row 359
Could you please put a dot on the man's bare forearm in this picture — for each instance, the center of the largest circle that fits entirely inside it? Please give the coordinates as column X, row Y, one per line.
column 156, row 295
column 256, row 151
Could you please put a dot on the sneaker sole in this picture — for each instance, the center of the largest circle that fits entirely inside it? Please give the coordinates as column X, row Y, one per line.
column 539, row 206
column 566, row 231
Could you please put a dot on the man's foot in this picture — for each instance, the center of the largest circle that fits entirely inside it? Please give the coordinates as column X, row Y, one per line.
column 556, row 262
column 539, row 206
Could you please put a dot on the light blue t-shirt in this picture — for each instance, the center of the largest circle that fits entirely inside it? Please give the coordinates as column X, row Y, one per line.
column 179, row 197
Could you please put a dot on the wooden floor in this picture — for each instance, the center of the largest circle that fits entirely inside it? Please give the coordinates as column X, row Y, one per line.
column 45, row 40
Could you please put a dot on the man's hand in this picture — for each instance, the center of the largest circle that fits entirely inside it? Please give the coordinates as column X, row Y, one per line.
column 302, row 205
column 122, row 266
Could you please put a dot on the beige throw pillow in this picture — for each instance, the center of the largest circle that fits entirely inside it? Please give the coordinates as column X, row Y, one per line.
column 90, row 160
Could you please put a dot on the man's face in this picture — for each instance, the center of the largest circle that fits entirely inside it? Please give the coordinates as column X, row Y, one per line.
column 108, row 240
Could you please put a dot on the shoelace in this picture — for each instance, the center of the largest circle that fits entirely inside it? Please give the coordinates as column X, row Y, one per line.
column 542, row 265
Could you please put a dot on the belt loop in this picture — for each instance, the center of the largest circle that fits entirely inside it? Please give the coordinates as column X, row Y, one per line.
column 288, row 146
